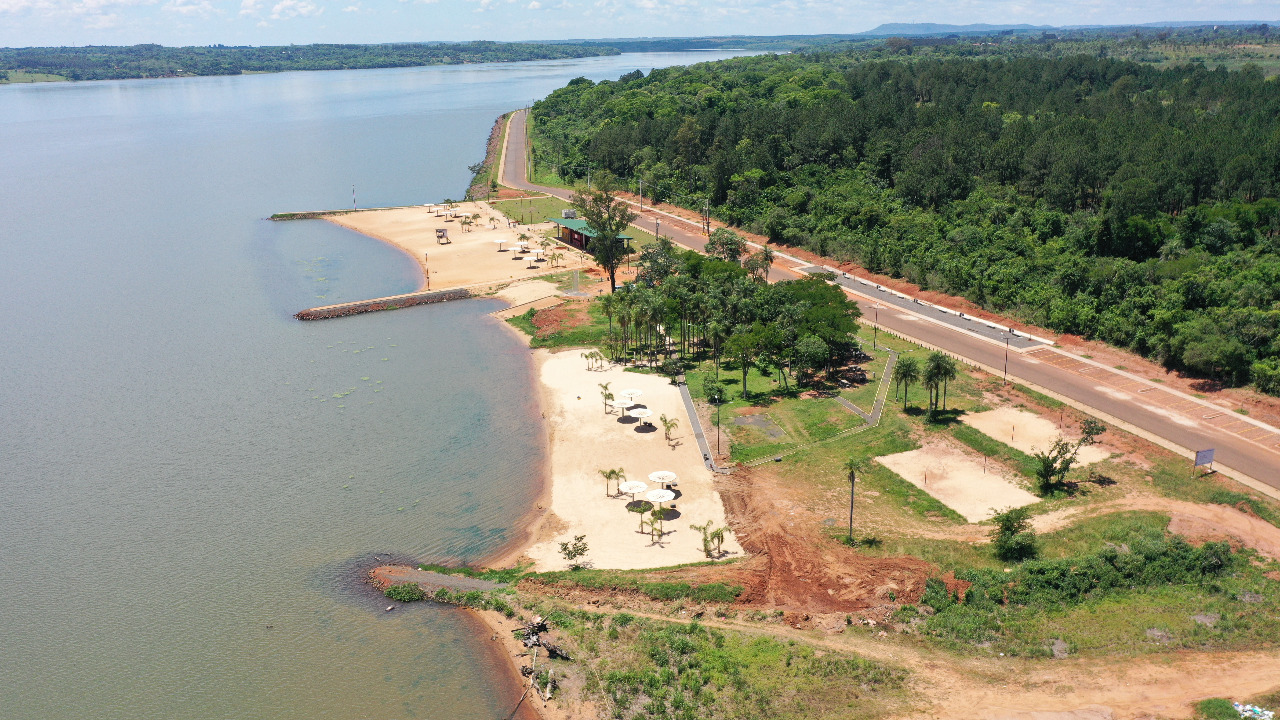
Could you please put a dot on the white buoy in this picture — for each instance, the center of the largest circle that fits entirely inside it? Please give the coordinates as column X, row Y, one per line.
column 390, row 608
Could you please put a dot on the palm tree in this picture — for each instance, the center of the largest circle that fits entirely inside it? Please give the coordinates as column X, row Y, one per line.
column 853, row 467
column 705, row 529
column 905, row 372
column 932, row 377
column 948, row 372
column 717, row 537
column 616, row 475
column 668, row 424
column 605, row 395
column 609, row 306
column 766, row 259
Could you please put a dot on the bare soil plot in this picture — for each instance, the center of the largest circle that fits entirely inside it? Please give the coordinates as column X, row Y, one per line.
column 1028, row 432
column 959, row 480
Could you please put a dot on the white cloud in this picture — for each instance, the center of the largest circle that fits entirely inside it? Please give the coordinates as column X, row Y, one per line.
column 201, row 8
column 250, row 7
column 286, row 9
column 534, row 5
column 352, row 8
column 101, row 21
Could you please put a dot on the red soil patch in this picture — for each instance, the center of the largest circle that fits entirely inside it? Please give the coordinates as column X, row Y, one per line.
column 794, row 568
column 384, row 576
column 561, row 317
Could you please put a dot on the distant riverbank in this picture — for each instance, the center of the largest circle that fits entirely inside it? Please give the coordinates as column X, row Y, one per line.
column 53, row 64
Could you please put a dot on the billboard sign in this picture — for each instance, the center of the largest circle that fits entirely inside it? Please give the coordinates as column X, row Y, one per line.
column 1204, row 457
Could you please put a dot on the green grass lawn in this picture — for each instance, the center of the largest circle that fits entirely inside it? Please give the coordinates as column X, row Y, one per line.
column 21, row 76
column 531, row 210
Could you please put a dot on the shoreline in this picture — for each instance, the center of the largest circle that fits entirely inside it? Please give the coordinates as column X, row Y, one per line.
column 529, row 525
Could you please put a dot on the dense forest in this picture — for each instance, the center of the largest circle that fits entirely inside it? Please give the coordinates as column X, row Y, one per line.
column 1091, row 195
column 148, row 61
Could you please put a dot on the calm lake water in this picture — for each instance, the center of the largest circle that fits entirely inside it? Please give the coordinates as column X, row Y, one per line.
column 189, row 478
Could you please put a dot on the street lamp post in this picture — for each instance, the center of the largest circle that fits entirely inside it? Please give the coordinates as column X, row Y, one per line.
column 875, row 330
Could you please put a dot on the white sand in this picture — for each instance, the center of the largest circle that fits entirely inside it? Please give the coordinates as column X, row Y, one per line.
column 472, row 257
column 959, row 481
column 1028, row 432
column 584, row 439
column 527, row 291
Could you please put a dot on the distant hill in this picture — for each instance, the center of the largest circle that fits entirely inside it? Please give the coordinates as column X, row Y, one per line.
column 924, row 29
column 909, row 29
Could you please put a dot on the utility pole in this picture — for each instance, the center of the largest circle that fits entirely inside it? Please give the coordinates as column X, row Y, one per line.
column 641, row 194
column 353, row 197
column 1006, row 359
column 657, row 228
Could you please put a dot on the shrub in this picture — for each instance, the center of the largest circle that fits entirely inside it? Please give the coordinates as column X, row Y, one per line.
column 1216, row 709
column 936, row 595
column 1266, row 375
column 405, row 592
column 1013, row 538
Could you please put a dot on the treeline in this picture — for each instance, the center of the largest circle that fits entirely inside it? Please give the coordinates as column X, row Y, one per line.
column 1090, row 195
column 149, row 61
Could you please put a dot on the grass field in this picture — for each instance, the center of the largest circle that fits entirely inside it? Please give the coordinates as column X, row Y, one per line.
column 531, row 210
column 21, row 76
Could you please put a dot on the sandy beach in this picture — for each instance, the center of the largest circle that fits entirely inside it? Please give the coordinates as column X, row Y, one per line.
column 470, row 258
column 583, row 438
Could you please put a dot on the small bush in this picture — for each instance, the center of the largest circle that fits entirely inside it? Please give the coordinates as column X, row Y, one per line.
column 1013, row 538
column 936, row 595
column 1216, row 709
column 405, row 592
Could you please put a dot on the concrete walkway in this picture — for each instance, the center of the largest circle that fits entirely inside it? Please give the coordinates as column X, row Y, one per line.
column 696, row 424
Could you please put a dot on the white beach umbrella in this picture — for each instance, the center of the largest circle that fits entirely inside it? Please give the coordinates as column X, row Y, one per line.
column 642, row 413
column 630, row 394
column 631, row 487
column 499, row 242
column 662, row 477
column 622, row 403
column 660, row 496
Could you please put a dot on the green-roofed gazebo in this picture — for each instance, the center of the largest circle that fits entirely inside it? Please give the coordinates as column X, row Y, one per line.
column 577, row 232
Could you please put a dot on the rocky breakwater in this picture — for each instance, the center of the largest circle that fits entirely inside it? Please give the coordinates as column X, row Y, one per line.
column 387, row 303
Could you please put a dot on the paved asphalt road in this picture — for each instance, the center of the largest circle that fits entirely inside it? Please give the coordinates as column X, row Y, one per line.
column 1188, row 430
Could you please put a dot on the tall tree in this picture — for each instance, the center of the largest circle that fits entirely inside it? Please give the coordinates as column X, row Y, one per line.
column 726, row 245
column 608, row 218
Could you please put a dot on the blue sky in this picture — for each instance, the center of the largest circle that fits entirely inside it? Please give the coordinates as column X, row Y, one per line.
column 266, row 22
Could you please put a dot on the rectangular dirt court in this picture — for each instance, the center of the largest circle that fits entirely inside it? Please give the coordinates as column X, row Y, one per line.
column 959, row 481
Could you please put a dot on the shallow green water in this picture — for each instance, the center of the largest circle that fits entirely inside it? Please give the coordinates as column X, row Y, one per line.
column 191, row 480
